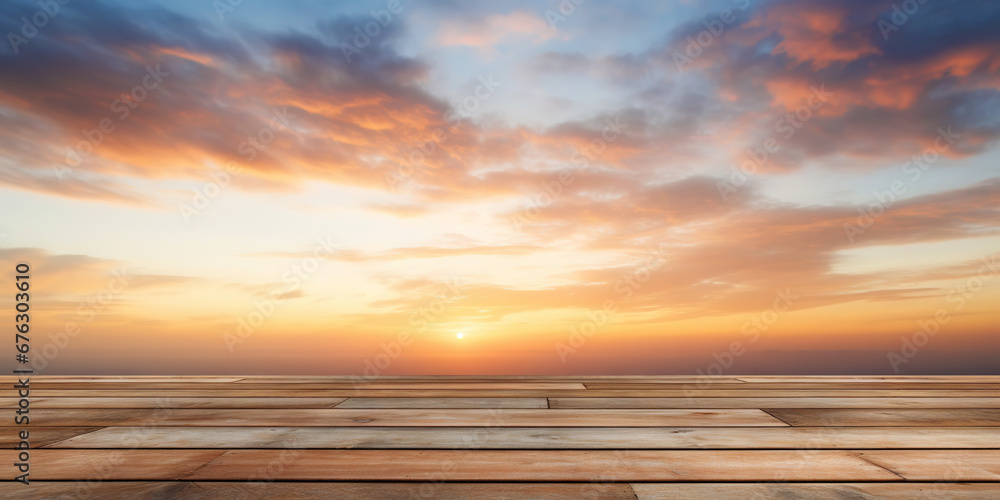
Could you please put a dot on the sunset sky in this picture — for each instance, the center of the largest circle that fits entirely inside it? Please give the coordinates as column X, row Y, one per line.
column 723, row 187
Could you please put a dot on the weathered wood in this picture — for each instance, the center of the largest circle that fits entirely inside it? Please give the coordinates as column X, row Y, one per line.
column 168, row 401
column 817, row 491
column 207, row 490
column 101, row 465
column 774, row 402
column 939, row 465
column 430, row 465
column 720, row 437
column 539, row 438
column 40, row 436
column 287, row 392
column 889, row 379
column 747, row 386
column 631, row 465
column 969, row 417
column 399, row 386
column 409, row 418
column 444, row 403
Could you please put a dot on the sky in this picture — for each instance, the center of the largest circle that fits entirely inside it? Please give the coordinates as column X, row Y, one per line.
column 439, row 187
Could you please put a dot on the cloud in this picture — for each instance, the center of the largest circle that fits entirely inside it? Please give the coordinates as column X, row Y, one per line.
column 485, row 34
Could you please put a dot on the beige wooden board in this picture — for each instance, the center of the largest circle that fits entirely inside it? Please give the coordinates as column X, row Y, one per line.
column 444, row 403
column 532, row 465
column 457, row 386
column 208, row 490
column 936, row 465
column 892, row 417
column 39, row 436
column 235, row 390
column 43, row 379
column 414, row 417
column 175, row 402
column 773, row 402
column 790, row 438
column 890, row 379
column 429, row 465
column 817, row 491
column 101, row 465
column 749, row 386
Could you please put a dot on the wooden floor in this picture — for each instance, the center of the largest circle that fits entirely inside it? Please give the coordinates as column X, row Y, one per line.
column 651, row 437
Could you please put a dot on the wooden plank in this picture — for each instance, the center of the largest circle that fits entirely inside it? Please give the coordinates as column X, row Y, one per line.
column 790, row 438
column 937, row 465
column 40, row 436
column 774, row 402
column 116, row 464
column 963, row 417
column 175, row 402
column 351, row 379
column 408, row 418
column 890, row 379
column 456, row 386
column 749, row 386
column 43, row 379
column 428, row 465
column 208, row 490
column 817, row 491
column 631, row 465
column 288, row 392
column 444, row 403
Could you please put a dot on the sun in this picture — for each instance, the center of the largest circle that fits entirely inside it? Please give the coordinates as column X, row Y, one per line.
column 459, row 335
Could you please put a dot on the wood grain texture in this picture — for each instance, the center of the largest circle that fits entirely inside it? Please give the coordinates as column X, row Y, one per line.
column 509, row 437
column 208, row 490
column 548, row 465
column 967, row 417
column 414, row 417
column 176, row 402
column 286, row 391
column 40, row 436
column 444, row 403
column 849, row 386
column 400, row 386
column 102, row 465
column 774, row 402
column 938, row 465
column 817, row 491
column 787, row 438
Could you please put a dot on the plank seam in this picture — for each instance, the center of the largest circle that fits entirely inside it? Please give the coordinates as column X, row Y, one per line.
column 776, row 418
column 202, row 466
column 858, row 455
